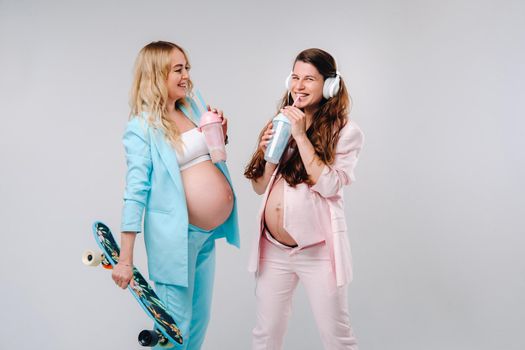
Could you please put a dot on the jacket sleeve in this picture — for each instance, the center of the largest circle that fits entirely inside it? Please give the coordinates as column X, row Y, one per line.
column 333, row 177
column 138, row 156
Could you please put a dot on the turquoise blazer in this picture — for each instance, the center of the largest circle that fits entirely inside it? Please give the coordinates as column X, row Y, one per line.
column 154, row 192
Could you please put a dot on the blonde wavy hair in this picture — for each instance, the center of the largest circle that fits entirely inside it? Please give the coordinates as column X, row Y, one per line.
column 149, row 91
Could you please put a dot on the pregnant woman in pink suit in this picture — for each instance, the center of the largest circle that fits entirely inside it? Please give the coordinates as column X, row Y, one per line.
column 302, row 234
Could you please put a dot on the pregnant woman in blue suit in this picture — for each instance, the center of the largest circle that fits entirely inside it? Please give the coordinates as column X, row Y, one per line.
column 185, row 201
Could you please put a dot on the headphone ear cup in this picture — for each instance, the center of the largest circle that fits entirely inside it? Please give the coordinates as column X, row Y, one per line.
column 331, row 87
column 287, row 82
column 327, row 87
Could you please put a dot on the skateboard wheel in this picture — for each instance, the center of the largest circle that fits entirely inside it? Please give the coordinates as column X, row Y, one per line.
column 148, row 338
column 152, row 338
column 92, row 258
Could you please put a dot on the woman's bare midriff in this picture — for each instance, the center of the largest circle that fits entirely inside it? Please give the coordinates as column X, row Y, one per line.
column 209, row 196
column 274, row 213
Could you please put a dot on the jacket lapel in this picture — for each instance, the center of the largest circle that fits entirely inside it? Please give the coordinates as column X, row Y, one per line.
column 264, row 199
column 166, row 151
column 168, row 156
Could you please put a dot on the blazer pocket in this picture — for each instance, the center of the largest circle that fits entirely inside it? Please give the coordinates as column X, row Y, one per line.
column 160, row 211
column 161, row 203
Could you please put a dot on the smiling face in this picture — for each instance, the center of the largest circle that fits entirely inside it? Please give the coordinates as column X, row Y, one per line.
column 306, row 84
column 178, row 76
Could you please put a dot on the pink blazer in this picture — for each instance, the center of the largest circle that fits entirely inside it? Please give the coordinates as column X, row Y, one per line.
column 327, row 205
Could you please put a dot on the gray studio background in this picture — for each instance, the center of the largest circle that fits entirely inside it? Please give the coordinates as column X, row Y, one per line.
column 434, row 217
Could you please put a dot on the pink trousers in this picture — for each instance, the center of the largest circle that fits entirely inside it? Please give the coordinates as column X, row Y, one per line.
column 280, row 269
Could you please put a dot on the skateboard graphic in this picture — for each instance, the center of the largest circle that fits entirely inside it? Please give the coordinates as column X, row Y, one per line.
column 166, row 332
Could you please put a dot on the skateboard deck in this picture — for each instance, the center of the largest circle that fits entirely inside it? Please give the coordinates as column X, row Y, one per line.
column 142, row 291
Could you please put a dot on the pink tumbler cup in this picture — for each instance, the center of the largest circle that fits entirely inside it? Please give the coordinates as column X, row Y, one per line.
column 210, row 125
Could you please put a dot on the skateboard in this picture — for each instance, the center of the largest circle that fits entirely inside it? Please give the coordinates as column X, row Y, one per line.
column 166, row 332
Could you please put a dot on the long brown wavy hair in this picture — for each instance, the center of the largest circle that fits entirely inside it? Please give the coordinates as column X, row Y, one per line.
column 323, row 133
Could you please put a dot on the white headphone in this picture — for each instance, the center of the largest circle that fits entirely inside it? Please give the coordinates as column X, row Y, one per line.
column 330, row 87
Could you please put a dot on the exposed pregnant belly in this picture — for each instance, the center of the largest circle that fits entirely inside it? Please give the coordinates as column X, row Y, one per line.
column 274, row 214
column 209, row 196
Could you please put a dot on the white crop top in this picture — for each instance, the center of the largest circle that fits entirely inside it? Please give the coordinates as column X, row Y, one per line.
column 195, row 149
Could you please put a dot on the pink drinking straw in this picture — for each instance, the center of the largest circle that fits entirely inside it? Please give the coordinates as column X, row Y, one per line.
column 296, row 100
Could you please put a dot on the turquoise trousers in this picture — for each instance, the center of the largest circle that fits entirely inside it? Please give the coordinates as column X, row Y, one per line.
column 190, row 306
